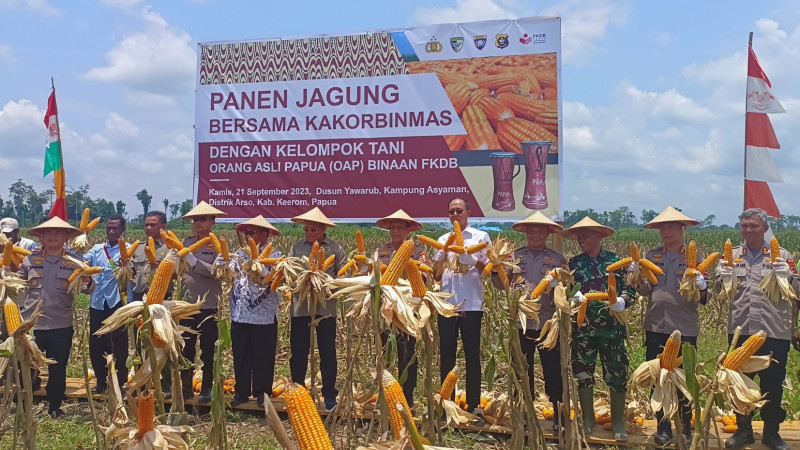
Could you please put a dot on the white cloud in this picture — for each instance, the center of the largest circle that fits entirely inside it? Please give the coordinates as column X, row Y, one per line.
column 468, row 11
column 159, row 60
column 584, row 25
column 42, row 7
column 669, row 104
column 122, row 4
column 771, row 30
column 121, row 125
column 181, row 149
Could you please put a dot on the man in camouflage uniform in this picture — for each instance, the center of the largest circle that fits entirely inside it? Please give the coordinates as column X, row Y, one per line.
column 400, row 225
column 753, row 311
column 601, row 332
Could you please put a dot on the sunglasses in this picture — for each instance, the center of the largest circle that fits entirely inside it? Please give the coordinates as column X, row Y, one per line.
column 310, row 229
column 253, row 231
column 456, row 211
column 200, row 219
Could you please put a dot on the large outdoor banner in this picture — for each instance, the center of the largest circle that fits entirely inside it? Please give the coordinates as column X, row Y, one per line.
column 361, row 125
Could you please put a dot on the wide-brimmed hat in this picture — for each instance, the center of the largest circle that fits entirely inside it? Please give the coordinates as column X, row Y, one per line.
column 587, row 224
column 671, row 215
column 203, row 209
column 537, row 218
column 260, row 222
column 56, row 223
column 316, row 216
column 399, row 215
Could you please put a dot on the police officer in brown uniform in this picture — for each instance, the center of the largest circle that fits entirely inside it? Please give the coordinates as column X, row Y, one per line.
column 536, row 260
column 48, row 273
column 200, row 283
column 666, row 309
column 154, row 222
column 400, row 225
column 314, row 225
column 754, row 312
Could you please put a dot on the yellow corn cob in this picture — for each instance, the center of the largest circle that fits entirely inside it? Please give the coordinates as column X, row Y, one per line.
column 328, row 262
column 476, row 248
column 74, row 275
column 276, row 280
column 649, row 276
column 706, row 264
column 253, row 247
column 612, row 294
column 635, row 255
column 170, row 241
column 320, row 258
column 90, row 226
column 480, row 135
column 594, row 296
column 622, row 263
column 383, row 268
column 132, row 249
column 84, row 219
column 270, row 261
column 360, row 246
column 527, row 108
column 160, row 284
column 21, row 252
column 495, row 110
column 361, row 259
column 774, row 248
column 8, row 254
column 530, row 78
column 92, row 271
column 266, row 252
column 581, row 318
column 669, row 356
column 456, row 249
column 450, row 239
column 152, row 244
column 691, row 255
column 197, row 246
column 511, row 132
column 549, row 120
column 350, row 265
column 493, row 82
column 215, row 242
column 503, row 275
column 736, row 358
column 430, row 242
column 487, row 270
column 223, row 245
column 455, row 141
column 477, row 94
column 145, row 414
column 457, row 231
column 12, row 316
column 449, row 384
column 424, row 267
column 414, row 277
column 398, row 263
column 458, row 94
column 646, row 263
column 312, row 257
column 123, row 249
column 728, row 252
column 540, row 288
column 448, row 77
column 305, row 419
column 393, row 394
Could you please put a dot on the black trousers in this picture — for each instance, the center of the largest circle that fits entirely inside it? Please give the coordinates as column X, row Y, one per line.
column 654, row 345
column 300, row 343
column 114, row 343
column 406, row 362
column 469, row 324
column 551, row 365
column 208, row 336
column 771, row 380
column 56, row 345
column 254, row 348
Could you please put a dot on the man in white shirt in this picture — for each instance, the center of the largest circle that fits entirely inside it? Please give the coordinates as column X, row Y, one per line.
column 461, row 275
column 10, row 227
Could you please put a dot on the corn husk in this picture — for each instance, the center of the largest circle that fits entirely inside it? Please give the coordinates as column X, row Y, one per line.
column 527, row 308
column 455, row 415
column 688, row 286
column 123, row 272
column 11, row 284
column 548, row 338
column 310, row 286
column 80, row 243
column 665, row 384
column 37, row 358
column 160, row 437
column 738, row 390
column 776, row 287
column 76, row 286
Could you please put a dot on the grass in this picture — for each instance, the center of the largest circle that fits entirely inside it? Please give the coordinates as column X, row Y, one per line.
column 249, row 431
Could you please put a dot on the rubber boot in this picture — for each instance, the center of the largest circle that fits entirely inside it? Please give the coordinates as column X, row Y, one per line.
column 556, row 419
column 772, row 438
column 663, row 434
column 686, row 423
column 618, row 405
column 586, row 399
column 744, row 434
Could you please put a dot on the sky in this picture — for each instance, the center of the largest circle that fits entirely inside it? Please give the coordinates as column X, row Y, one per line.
column 653, row 92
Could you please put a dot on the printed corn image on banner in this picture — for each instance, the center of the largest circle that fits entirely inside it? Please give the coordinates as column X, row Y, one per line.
column 361, row 125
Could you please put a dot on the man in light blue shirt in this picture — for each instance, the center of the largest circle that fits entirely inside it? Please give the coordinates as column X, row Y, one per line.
column 104, row 301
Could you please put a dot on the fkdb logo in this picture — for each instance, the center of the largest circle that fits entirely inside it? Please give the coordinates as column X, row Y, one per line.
column 434, row 46
column 538, row 38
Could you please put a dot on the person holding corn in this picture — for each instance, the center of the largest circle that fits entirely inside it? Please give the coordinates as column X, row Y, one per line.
column 199, row 283
column 400, row 225
column 154, row 222
column 48, row 275
column 601, row 332
column 536, row 261
column 314, row 225
column 751, row 310
column 666, row 309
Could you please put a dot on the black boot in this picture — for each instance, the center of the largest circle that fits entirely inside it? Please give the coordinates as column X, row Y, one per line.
column 744, row 434
column 772, row 438
column 663, row 430
column 556, row 419
column 186, row 384
column 686, row 423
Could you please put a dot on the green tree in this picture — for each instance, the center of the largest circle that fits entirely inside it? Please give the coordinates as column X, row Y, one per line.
column 186, row 206
column 648, row 215
column 119, row 208
column 77, row 200
column 145, row 198
column 174, row 209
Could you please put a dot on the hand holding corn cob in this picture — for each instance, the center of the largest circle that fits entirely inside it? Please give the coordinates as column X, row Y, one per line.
column 81, row 242
column 82, row 275
column 775, row 285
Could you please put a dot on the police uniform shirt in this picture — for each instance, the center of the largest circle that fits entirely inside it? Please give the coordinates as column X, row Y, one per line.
column 535, row 265
column 200, row 281
column 141, row 266
column 303, row 248
column 385, row 253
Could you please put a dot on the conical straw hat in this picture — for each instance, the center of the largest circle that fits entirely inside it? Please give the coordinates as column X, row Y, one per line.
column 671, row 215
column 588, row 224
column 315, row 215
column 260, row 222
column 537, row 218
column 399, row 215
column 203, row 209
column 56, row 223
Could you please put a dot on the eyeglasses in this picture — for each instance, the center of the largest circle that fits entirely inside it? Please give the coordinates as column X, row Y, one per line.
column 456, row 211
column 310, row 229
column 200, row 219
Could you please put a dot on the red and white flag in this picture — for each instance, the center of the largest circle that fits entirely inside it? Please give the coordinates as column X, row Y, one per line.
column 759, row 90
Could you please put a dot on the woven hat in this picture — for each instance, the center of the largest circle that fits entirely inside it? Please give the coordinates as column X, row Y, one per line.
column 203, row 209
column 587, row 224
column 316, row 216
column 671, row 215
column 260, row 222
column 399, row 215
column 56, row 223
column 537, row 218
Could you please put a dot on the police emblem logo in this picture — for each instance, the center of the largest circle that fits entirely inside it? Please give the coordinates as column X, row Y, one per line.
column 501, row 40
column 434, row 46
column 457, row 43
column 479, row 41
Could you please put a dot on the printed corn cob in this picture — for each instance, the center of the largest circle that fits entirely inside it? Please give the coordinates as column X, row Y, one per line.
column 495, row 110
column 511, row 132
column 480, row 135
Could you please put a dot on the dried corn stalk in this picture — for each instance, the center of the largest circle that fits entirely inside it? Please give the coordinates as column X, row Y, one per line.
column 737, row 389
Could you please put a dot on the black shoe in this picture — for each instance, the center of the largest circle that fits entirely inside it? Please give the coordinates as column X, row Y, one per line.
column 479, row 420
column 774, row 441
column 330, row 405
column 741, row 438
column 260, row 400
column 556, row 428
column 56, row 413
column 662, row 438
column 188, row 394
column 238, row 400
column 37, row 384
column 204, row 397
column 688, row 433
column 99, row 390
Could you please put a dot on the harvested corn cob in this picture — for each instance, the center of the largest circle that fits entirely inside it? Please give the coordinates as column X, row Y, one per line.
column 84, row 219
column 418, row 288
column 194, row 247
column 480, row 135
column 393, row 394
column 397, row 264
column 647, row 264
column 774, row 249
column 622, row 263
column 669, row 357
column 476, row 248
column 706, row 264
column 430, row 242
column 728, row 252
column 305, row 419
column 737, row 357
column 360, row 246
column 459, row 236
column 12, row 316
column 161, row 279
column 449, row 384
column 512, row 132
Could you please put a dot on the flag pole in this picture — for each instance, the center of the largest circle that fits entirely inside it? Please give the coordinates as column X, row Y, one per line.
column 744, row 178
